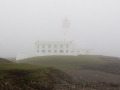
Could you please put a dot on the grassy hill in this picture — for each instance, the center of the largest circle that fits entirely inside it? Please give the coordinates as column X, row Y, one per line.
column 65, row 62
column 21, row 66
column 31, row 77
column 45, row 78
column 36, row 73
column 21, row 76
column 92, row 62
column 13, row 59
column 106, row 64
column 3, row 61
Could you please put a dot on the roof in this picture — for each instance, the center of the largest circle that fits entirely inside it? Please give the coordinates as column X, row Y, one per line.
column 53, row 42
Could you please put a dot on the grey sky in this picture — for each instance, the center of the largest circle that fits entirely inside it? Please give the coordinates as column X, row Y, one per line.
column 94, row 24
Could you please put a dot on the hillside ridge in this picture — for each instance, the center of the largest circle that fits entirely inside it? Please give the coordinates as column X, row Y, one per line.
column 3, row 61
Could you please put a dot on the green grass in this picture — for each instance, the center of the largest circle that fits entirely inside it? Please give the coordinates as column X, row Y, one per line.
column 35, row 71
column 2, row 60
column 21, row 66
column 64, row 62
column 60, row 62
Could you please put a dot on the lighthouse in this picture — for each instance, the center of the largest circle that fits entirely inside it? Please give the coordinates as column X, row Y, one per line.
column 65, row 28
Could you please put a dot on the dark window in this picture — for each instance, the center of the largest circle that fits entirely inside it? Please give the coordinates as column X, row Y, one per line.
column 55, row 51
column 66, row 51
column 49, row 46
column 38, row 46
column 49, row 51
column 61, row 46
column 87, row 51
column 55, row 46
column 61, row 51
column 66, row 46
column 37, row 50
column 43, row 46
column 43, row 51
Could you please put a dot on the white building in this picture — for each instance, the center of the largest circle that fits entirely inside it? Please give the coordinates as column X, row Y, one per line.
column 44, row 48
column 55, row 48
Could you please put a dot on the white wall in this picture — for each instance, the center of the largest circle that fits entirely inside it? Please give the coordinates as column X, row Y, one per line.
column 70, row 49
column 25, row 55
column 29, row 55
column 85, row 52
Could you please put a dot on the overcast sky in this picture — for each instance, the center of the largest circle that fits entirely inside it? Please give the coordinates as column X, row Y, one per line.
column 94, row 24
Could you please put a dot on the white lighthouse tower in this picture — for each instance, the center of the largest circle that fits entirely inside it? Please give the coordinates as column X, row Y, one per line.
column 65, row 28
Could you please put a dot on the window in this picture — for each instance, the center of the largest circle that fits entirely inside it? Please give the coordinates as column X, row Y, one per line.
column 49, row 46
column 66, row 46
column 55, row 51
column 43, row 51
column 49, row 51
column 61, row 46
column 55, row 46
column 61, row 51
column 87, row 51
column 43, row 46
column 37, row 50
column 66, row 51
column 38, row 46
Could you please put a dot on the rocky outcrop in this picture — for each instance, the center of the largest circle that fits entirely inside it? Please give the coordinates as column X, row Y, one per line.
column 47, row 79
column 40, row 79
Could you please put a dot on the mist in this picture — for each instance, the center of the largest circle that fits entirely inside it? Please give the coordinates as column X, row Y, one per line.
column 94, row 24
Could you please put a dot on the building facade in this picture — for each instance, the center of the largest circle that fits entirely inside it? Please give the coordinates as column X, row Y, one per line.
column 47, row 48
column 44, row 48
column 55, row 48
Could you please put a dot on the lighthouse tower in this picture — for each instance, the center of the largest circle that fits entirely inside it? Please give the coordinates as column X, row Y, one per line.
column 65, row 27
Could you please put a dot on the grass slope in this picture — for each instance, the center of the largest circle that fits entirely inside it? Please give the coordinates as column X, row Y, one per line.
column 64, row 62
column 3, row 61
column 22, row 76
column 94, row 76
column 89, row 62
column 20, row 66
column 32, row 79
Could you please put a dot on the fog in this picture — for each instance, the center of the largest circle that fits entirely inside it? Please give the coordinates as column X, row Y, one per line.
column 94, row 24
